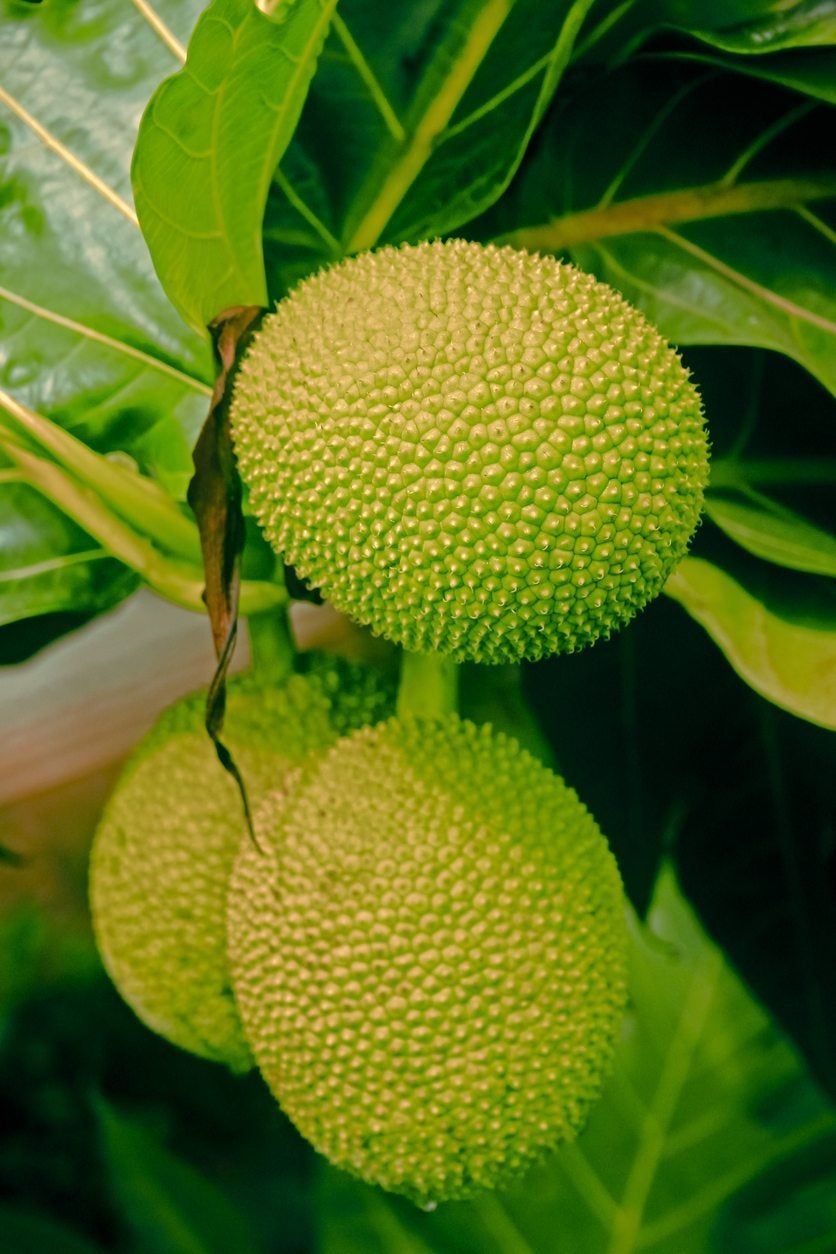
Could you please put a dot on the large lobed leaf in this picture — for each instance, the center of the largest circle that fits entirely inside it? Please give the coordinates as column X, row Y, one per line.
column 725, row 241
column 26, row 1232
column 710, row 1136
column 446, row 100
column 722, row 242
column 772, row 27
column 87, row 336
column 170, row 1207
column 86, row 333
column 812, row 72
column 670, row 751
column 757, row 523
column 754, row 853
column 48, row 564
column 89, row 339
column 434, row 106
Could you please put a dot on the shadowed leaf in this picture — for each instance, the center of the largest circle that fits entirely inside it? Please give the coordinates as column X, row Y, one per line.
column 169, row 1206
column 727, row 241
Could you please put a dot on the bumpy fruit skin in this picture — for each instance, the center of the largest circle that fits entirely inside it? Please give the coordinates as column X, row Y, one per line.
column 429, row 956
column 472, row 450
column 166, row 843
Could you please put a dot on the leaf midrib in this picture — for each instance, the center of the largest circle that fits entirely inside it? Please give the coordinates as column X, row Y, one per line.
column 683, row 204
column 147, row 360
column 73, row 162
column 50, row 564
column 416, row 151
column 629, row 1217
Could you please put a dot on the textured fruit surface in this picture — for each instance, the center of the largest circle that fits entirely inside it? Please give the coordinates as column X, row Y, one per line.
column 165, row 846
column 429, row 956
column 473, row 450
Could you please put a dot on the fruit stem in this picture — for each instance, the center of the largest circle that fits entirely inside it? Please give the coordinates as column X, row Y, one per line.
column 272, row 647
column 429, row 685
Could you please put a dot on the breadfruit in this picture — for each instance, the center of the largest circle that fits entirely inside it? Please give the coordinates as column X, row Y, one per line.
column 428, row 950
column 472, row 450
column 164, row 848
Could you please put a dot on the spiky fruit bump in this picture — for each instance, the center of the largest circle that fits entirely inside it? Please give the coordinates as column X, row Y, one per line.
column 472, row 450
column 428, row 951
column 165, row 846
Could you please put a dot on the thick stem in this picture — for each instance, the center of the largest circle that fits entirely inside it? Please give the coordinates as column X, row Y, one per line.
column 429, row 685
column 272, row 647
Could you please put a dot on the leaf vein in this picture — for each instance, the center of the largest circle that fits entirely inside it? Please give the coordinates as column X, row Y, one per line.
column 683, row 1045
column 159, row 27
column 107, row 341
column 766, row 294
column 369, row 79
column 69, row 158
column 663, row 295
column 712, row 1195
column 50, row 563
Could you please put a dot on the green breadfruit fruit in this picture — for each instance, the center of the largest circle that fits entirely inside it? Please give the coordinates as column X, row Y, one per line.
column 472, row 450
column 164, row 849
column 429, row 956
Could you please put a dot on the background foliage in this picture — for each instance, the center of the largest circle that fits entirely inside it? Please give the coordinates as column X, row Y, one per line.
column 681, row 152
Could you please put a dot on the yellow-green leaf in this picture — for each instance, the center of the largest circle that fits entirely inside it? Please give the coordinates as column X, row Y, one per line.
column 209, row 142
column 775, row 534
column 789, row 661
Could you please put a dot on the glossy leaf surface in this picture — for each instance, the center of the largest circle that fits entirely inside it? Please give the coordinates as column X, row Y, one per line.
column 724, row 242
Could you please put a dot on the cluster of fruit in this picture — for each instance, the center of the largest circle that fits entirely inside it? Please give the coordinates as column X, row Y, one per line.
column 422, row 945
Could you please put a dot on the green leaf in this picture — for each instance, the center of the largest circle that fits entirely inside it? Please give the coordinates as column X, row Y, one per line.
column 810, row 71
column 769, row 531
column 709, row 1136
column 720, row 242
column 745, row 27
column 668, row 748
column 209, row 142
column 179, row 581
column 434, row 109
column 87, row 337
column 170, row 1207
column 463, row 146
column 802, row 23
column 25, row 1232
column 47, row 563
column 753, row 852
column 788, row 658
column 136, row 498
